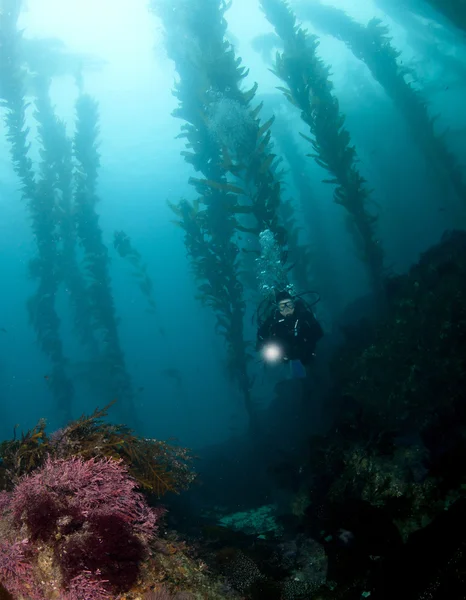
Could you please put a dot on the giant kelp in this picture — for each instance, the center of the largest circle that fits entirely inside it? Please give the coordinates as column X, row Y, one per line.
column 434, row 43
column 308, row 263
column 218, row 112
column 210, row 244
column 213, row 256
column 210, row 222
column 226, row 116
column 38, row 191
column 323, row 271
column 61, row 199
column 373, row 45
column 96, row 260
column 57, row 170
column 240, row 190
column 308, row 87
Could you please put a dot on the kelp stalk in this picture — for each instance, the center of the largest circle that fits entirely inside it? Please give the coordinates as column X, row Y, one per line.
column 308, row 87
column 213, row 77
column 210, row 223
column 373, row 46
column 214, row 260
column 96, row 255
column 39, row 195
column 57, row 154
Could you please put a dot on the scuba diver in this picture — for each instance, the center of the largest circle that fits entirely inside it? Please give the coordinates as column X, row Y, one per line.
column 290, row 333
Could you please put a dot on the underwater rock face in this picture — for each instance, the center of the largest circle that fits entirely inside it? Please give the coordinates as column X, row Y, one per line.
column 411, row 366
column 393, row 462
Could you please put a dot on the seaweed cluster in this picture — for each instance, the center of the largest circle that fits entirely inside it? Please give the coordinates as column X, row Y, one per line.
column 75, row 526
column 158, row 467
column 78, row 528
column 74, row 515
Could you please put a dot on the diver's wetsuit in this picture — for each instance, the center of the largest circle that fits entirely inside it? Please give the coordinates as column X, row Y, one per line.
column 296, row 334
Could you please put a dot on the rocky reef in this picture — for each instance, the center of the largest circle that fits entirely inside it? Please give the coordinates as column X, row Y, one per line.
column 386, row 483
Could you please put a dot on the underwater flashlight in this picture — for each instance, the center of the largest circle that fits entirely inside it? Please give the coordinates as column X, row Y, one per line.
column 272, row 352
